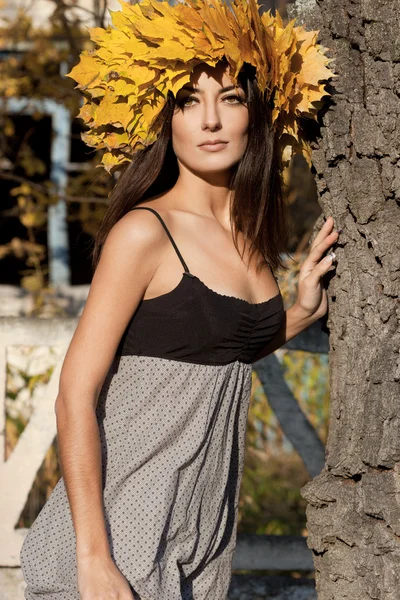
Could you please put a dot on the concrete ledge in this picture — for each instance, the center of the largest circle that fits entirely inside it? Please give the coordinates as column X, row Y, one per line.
column 260, row 552
column 12, row 583
column 266, row 587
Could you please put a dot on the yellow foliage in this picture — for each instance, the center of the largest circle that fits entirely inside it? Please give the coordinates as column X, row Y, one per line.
column 32, row 283
column 37, row 72
column 33, row 219
column 9, row 129
column 153, row 47
column 24, row 189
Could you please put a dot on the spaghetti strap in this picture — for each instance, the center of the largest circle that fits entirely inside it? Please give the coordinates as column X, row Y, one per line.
column 168, row 233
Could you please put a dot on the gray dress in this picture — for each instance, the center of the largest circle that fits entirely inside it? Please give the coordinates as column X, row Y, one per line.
column 172, row 416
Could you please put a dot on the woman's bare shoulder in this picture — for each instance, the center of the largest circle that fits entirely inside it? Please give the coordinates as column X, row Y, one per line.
column 138, row 227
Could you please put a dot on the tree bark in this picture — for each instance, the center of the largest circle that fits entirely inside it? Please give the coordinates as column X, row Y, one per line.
column 353, row 510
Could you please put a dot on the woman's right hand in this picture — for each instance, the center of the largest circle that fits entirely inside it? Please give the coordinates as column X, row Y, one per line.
column 100, row 579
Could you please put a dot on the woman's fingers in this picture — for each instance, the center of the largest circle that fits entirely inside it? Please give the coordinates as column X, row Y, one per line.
column 325, row 230
column 318, row 251
column 324, row 240
column 324, row 265
column 318, row 248
column 312, row 297
column 321, row 268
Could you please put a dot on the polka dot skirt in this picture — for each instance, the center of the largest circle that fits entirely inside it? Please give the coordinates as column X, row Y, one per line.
column 173, row 440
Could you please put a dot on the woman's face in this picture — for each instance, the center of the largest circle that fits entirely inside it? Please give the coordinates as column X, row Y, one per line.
column 206, row 111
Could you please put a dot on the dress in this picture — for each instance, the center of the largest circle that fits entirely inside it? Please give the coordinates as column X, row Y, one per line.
column 172, row 416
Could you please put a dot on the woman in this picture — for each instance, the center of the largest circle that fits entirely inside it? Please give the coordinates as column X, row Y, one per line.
column 155, row 386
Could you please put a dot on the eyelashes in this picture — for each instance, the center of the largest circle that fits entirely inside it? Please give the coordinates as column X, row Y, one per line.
column 239, row 100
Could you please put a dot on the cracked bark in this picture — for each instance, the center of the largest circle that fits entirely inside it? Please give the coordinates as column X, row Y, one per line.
column 353, row 509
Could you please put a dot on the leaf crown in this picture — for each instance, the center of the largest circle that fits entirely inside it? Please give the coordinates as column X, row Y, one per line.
column 153, row 47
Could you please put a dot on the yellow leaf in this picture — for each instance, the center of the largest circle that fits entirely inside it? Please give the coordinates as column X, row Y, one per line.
column 9, row 129
column 123, row 88
column 92, row 139
column 87, row 72
column 114, row 140
column 314, row 68
column 119, row 114
column 31, row 283
column 24, row 189
column 33, row 219
column 150, row 112
column 177, row 81
column 97, row 34
column 88, row 112
column 111, row 160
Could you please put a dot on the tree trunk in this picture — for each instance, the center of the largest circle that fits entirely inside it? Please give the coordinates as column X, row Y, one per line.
column 353, row 510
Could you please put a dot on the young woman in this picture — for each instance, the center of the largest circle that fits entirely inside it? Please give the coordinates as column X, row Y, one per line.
column 155, row 387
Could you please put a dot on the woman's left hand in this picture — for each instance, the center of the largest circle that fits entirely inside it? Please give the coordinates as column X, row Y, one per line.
column 312, row 298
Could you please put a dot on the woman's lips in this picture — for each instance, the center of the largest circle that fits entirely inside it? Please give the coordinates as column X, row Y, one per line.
column 213, row 147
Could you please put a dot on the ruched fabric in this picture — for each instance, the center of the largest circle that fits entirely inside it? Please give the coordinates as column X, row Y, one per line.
column 196, row 324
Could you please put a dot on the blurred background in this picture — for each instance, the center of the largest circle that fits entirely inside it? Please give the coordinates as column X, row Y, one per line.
column 53, row 198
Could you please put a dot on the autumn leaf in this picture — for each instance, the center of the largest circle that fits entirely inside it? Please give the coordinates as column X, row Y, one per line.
column 33, row 219
column 88, row 71
column 32, row 283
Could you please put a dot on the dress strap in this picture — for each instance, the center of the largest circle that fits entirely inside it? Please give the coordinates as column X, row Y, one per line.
column 168, row 233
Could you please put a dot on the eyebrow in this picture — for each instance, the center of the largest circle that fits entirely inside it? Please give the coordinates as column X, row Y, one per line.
column 190, row 88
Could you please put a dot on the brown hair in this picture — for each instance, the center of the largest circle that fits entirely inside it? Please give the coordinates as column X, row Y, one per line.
column 258, row 210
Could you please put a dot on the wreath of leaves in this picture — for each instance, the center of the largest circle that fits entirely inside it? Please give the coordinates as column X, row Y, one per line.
column 152, row 48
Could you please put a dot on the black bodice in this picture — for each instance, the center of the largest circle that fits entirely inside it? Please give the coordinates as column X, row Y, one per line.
column 194, row 323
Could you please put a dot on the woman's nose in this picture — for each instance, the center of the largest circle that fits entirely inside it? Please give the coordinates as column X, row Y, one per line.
column 211, row 118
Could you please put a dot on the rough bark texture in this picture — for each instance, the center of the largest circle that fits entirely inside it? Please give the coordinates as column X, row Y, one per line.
column 353, row 507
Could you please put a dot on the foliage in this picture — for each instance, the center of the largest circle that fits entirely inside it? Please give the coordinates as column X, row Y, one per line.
column 33, row 65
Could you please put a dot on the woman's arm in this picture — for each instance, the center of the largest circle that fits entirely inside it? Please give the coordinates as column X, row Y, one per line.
column 312, row 298
column 131, row 254
column 295, row 321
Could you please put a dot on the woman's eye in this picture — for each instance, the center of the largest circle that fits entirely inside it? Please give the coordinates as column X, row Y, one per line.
column 188, row 99
column 233, row 97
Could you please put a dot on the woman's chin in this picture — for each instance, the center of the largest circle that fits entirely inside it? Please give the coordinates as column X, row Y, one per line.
column 212, row 166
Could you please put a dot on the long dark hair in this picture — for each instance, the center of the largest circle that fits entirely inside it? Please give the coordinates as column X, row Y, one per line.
column 258, row 210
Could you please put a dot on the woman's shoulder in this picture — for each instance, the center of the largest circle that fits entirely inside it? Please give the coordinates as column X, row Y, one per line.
column 138, row 227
